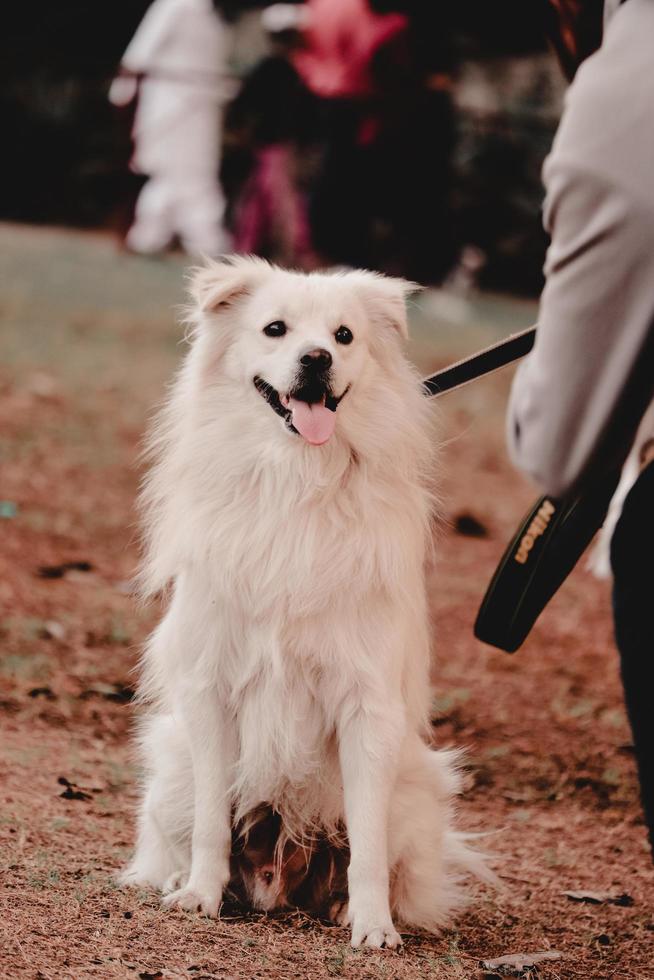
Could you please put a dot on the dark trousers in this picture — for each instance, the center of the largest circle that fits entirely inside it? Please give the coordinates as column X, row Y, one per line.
column 632, row 559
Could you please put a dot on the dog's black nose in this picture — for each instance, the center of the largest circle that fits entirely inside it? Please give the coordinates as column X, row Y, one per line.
column 318, row 358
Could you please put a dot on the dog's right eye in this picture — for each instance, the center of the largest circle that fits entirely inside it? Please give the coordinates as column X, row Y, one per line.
column 275, row 329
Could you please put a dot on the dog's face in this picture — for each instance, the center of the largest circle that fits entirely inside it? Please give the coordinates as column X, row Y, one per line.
column 302, row 343
column 307, row 351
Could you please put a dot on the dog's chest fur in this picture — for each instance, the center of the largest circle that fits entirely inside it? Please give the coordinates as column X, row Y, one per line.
column 288, row 592
column 295, row 539
column 284, row 706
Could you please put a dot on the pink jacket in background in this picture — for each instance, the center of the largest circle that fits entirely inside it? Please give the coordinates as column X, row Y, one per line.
column 341, row 39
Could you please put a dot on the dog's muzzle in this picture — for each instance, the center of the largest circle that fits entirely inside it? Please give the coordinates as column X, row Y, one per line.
column 309, row 409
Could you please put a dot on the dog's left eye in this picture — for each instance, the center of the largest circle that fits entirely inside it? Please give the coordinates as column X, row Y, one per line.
column 344, row 335
column 275, row 329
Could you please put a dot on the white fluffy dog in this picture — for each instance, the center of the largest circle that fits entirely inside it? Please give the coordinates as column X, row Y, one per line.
column 289, row 505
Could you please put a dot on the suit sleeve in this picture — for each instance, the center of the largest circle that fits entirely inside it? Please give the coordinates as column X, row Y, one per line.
column 577, row 400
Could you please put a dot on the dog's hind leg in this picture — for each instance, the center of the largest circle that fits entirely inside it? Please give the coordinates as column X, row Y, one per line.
column 158, row 860
column 162, row 855
column 211, row 741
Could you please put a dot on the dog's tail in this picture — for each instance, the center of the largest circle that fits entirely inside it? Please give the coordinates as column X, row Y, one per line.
column 434, row 862
column 466, row 861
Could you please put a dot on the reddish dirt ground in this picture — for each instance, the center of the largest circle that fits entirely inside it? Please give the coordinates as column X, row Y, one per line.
column 551, row 770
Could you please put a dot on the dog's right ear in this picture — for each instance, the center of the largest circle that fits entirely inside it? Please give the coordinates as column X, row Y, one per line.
column 217, row 284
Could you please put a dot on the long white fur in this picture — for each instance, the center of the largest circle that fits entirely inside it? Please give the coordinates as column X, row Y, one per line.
column 292, row 664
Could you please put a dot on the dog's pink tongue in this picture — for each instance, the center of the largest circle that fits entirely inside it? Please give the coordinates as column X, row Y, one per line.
column 315, row 423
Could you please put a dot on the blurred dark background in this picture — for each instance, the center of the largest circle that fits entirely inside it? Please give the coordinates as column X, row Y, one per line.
column 467, row 101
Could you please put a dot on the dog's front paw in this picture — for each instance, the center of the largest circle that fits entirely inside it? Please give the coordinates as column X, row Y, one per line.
column 369, row 931
column 205, row 901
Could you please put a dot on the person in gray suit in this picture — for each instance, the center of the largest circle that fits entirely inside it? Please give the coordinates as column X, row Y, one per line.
column 579, row 399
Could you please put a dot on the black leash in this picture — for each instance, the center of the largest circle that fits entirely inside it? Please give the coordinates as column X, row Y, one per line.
column 484, row 362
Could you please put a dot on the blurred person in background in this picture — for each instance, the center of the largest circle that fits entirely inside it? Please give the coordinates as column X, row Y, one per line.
column 381, row 72
column 340, row 41
column 411, row 150
column 177, row 67
column 579, row 399
column 273, row 130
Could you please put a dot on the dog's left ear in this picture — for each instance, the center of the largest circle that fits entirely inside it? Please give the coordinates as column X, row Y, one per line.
column 217, row 284
column 385, row 299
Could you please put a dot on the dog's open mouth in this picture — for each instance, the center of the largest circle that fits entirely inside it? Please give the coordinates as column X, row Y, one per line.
column 308, row 411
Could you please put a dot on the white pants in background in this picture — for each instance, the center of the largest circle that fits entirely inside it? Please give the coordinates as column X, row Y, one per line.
column 189, row 206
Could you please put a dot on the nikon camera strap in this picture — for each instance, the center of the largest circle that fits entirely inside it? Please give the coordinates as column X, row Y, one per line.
column 551, row 537
column 546, row 547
